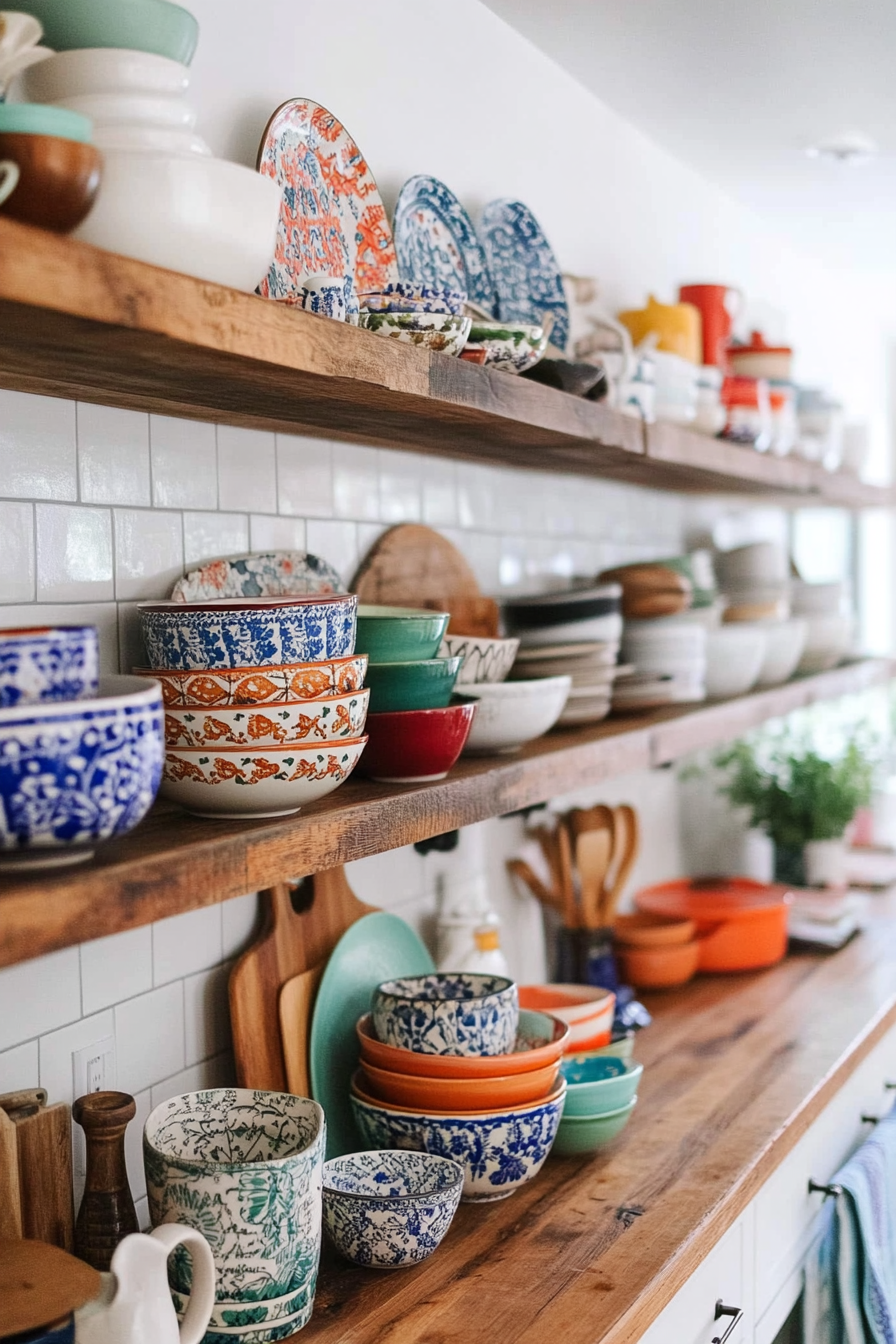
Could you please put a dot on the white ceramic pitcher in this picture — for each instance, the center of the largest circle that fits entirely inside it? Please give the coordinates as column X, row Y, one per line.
column 135, row 1306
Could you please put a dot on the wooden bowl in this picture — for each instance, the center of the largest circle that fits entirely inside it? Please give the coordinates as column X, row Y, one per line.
column 460, row 1094
column 58, row 183
column 643, row 929
column 658, row 967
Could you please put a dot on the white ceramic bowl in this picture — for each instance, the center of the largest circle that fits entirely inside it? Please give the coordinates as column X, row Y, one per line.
column 336, row 718
column 734, row 655
column 238, row 782
column 510, row 713
column 93, row 70
column 484, row 660
column 759, row 564
column 828, row 641
column 817, row 599
column 784, row 644
column 200, row 216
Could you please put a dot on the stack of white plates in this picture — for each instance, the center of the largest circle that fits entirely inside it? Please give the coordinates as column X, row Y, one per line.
column 670, row 664
column 583, row 612
column 593, row 667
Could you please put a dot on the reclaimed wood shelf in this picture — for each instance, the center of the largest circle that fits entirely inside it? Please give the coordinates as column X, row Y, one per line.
column 175, row 862
column 81, row 323
column 736, row 1068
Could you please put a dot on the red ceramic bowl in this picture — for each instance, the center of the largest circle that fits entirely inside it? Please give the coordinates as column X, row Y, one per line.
column 413, row 746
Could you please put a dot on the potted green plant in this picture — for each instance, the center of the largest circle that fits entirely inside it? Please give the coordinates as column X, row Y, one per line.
column 803, row 799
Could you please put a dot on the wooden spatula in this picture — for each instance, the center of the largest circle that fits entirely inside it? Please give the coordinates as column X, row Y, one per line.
column 296, row 1006
column 520, row 869
column 626, row 847
column 594, row 850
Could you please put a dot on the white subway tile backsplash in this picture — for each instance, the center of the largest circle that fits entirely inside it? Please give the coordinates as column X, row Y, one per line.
column 132, row 650
column 239, row 921
column 74, row 554
column 57, row 1048
column 149, row 1037
column 101, row 614
column 247, row 471
column 438, row 479
column 19, row 1067
column 268, row 532
column 215, row 1072
column 115, row 968
column 186, row 943
column 133, row 1145
column 304, row 476
column 208, row 536
column 336, row 542
column 37, row 996
column 17, row 561
column 149, row 552
column 400, row 487
column 206, row 1014
column 184, row 462
column 38, row 447
column 356, row 482
column 113, row 455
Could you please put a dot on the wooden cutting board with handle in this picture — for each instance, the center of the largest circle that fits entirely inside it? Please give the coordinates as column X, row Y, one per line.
column 43, row 1148
column 303, row 922
column 415, row 566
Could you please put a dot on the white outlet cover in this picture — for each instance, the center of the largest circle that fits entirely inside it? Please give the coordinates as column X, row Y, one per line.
column 93, row 1070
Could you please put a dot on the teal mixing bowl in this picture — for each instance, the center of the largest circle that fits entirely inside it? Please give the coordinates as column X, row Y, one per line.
column 420, row 685
column 400, row 635
column 598, row 1086
column 589, row 1133
column 133, row 25
column 40, row 119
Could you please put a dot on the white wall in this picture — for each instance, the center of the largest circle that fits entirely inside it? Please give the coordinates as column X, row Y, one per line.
column 100, row 508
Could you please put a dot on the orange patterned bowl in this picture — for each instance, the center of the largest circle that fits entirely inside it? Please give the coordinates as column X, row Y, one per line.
column 459, row 1094
column 335, row 718
column 221, row 687
column 587, row 1009
column 540, row 1042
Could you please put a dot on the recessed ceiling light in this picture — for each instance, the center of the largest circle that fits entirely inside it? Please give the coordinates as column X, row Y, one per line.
column 852, row 149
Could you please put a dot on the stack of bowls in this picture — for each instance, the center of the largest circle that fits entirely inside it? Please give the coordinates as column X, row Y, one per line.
column 592, row 667
column 669, row 657
column 823, row 609
column 655, row 952
column 265, row 709
column 451, row 1067
column 429, row 318
column 755, row 580
column 601, row 1093
column 757, row 588
column 417, row 728
column 80, row 756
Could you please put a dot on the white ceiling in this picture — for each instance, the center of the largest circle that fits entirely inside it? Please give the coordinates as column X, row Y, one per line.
column 739, row 89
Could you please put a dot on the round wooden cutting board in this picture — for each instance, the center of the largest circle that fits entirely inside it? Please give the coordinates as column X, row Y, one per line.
column 415, row 566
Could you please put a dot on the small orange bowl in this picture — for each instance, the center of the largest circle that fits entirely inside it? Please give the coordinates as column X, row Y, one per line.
column 361, row 1089
column 460, row 1094
column 658, row 967
column 587, row 1009
column 644, row 929
column 541, row 1040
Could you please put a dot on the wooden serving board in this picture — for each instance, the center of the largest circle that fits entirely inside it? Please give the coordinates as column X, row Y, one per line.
column 296, row 1006
column 303, row 923
column 415, row 566
column 44, row 1142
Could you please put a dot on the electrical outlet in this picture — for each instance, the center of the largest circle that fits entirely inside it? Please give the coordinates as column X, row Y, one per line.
column 93, row 1070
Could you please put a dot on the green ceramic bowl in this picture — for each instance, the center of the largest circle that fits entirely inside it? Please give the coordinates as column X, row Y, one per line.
column 598, row 1086
column 134, row 25
column 623, row 1049
column 588, row 1133
column 36, row 119
column 400, row 635
column 420, row 685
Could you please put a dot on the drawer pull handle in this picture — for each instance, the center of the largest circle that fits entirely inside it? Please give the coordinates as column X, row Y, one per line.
column 816, row 1189
column 870, row 1119
column 890, row 1087
column 736, row 1314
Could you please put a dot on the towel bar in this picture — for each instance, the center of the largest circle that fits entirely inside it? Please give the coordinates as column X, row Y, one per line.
column 816, row 1189
column 736, row 1314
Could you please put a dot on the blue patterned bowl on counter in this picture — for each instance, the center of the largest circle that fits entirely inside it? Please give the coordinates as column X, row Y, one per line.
column 46, row 663
column 445, row 1014
column 75, row 773
column 499, row 1151
column 207, row 636
column 389, row 1208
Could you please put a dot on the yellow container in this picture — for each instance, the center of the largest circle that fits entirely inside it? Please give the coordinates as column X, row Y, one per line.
column 677, row 326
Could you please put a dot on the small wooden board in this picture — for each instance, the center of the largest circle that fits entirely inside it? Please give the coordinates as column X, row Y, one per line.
column 44, row 1142
column 415, row 566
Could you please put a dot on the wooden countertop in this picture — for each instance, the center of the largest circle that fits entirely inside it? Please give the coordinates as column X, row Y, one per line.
column 737, row 1068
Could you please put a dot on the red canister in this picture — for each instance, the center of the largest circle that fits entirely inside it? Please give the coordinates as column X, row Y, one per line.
column 718, row 306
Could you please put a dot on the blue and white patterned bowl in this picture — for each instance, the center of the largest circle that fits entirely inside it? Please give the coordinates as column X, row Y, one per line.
column 208, row 636
column 445, row 1014
column 407, row 297
column 48, row 664
column 499, row 1151
column 73, row 774
column 391, row 1207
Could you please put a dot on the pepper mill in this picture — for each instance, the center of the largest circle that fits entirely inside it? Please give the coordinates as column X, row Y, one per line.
column 107, row 1213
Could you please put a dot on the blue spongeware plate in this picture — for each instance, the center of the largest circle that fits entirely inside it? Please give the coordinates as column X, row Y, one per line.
column 377, row 947
column 436, row 243
column 523, row 266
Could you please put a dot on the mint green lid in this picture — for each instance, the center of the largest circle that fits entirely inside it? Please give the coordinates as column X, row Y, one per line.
column 37, row 119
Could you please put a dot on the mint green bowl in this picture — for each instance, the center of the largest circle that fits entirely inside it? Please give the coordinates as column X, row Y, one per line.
column 38, row 119
column 623, row 1049
column 400, row 635
column 598, row 1086
column 131, row 25
column 425, row 684
column 589, row 1133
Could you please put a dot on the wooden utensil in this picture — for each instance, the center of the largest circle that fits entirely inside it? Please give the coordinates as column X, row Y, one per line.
column 44, row 1147
column 10, row 1194
column 522, row 870
column 626, row 847
column 303, row 922
column 40, row 1285
column 594, row 849
column 567, row 885
column 415, row 566
column 296, row 1007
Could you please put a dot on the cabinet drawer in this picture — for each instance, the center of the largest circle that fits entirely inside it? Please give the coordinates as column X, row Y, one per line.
column 690, row 1316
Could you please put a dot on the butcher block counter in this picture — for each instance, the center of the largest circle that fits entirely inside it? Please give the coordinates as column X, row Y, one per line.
column 737, row 1071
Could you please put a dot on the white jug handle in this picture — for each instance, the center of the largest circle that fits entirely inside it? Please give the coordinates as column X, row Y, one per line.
column 202, row 1290
column 9, row 178
column 599, row 318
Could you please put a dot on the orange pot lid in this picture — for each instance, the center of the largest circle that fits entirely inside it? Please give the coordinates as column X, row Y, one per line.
column 721, row 898
column 757, row 346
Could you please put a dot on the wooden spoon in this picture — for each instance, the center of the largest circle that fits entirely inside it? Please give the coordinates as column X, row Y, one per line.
column 594, row 849
column 567, row 885
column 519, row 868
column 626, row 848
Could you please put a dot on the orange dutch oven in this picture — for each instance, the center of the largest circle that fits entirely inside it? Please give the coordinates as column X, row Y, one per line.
column 741, row 924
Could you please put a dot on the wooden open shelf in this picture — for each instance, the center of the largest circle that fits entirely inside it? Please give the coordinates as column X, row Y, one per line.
column 174, row 862
column 81, row 323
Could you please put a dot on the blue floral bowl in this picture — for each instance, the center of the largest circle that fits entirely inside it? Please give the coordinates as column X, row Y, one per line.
column 73, row 774
column 208, row 636
column 499, row 1151
column 389, row 1208
column 446, row 1014
column 48, row 664
column 406, row 297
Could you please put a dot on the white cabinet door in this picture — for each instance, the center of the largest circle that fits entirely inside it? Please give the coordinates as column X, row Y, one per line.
column 724, row 1275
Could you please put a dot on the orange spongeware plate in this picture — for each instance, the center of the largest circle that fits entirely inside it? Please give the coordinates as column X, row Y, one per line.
column 587, row 1009
column 741, row 924
column 544, row 1036
column 460, row 1094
